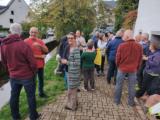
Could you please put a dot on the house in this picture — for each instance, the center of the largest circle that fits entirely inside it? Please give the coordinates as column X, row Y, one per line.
column 14, row 11
column 148, row 19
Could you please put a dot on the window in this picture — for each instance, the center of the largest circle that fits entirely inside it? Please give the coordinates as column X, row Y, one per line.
column 11, row 20
column 12, row 12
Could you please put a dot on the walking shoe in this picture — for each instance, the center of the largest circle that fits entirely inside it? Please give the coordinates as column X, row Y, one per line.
column 102, row 74
column 43, row 95
column 37, row 117
column 78, row 90
column 114, row 83
column 132, row 105
column 108, row 81
column 84, row 89
column 116, row 103
column 98, row 74
column 92, row 89
column 67, row 108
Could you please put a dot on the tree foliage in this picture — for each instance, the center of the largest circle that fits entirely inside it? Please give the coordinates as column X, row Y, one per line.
column 130, row 19
column 123, row 7
column 64, row 15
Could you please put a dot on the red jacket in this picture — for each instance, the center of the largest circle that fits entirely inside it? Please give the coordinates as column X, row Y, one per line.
column 129, row 56
column 18, row 58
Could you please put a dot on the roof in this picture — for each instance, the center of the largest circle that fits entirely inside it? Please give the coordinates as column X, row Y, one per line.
column 4, row 8
column 111, row 4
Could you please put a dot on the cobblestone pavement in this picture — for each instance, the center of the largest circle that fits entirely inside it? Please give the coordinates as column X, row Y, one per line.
column 96, row 105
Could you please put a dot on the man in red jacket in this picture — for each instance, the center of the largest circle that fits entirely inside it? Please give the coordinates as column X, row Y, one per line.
column 39, row 50
column 128, row 61
column 18, row 58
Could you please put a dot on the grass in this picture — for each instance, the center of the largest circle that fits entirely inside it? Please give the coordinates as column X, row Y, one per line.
column 54, row 86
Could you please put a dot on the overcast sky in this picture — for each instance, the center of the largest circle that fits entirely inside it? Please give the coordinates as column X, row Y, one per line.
column 4, row 2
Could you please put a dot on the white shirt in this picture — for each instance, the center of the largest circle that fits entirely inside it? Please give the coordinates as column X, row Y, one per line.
column 102, row 45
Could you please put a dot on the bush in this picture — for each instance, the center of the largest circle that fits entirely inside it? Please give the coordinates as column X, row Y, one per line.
column 130, row 19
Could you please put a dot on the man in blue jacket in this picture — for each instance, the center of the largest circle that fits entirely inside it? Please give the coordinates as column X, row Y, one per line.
column 111, row 54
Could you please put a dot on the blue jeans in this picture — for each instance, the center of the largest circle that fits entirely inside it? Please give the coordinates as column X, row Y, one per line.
column 29, row 86
column 65, row 80
column 131, row 87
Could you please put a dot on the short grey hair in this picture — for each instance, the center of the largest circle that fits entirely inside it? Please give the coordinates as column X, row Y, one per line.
column 16, row 28
column 119, row 34
column 90, row 44
column 146, row 35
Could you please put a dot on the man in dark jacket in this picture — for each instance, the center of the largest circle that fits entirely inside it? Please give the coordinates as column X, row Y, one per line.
column 18, row 58
column 111, row 54
column 146, row 52
column 128, row 61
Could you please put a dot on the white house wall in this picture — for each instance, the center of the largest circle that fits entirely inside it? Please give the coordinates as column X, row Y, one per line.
column 20, row 12
column 148, row 16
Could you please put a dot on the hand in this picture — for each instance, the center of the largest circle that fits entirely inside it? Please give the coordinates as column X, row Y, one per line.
column 43, row 56
column 36, row 44
column 145, row 57
column 64, row 61
column 40, row 56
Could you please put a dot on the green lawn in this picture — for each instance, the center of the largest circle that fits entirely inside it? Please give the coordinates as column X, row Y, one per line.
column 54, row 86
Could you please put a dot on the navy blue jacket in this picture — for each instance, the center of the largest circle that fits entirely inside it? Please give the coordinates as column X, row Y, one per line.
column 112, row 48
column 146, row 50
column 63, row 44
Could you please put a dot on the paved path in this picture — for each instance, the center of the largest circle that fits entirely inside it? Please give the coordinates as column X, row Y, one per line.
column 97, row 105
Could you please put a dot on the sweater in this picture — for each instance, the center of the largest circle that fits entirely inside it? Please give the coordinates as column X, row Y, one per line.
column 88, row 59
column 129, row 56
column 102, row 46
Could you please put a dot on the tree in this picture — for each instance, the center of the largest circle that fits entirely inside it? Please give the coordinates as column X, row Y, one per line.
column 64, row 15
column 123, row 7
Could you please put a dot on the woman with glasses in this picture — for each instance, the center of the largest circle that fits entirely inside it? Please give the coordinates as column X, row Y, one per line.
column 73, row 71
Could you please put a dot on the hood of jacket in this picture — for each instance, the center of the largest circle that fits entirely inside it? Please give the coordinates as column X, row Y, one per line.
column 10, row 39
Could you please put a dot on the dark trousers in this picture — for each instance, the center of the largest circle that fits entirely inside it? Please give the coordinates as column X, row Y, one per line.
column 88, row 78
column 112, row 71
column 146, row 83
column 100, row 67
column 29, row 86
column 140, row 73
column 40, row 74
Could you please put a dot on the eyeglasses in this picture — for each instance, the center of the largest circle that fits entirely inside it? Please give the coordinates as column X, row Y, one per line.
column 71, row 38
column 33, row 32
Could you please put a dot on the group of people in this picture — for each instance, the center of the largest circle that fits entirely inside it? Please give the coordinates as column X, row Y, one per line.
column 24, row 60
column 127, row 58
column 138, row 61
